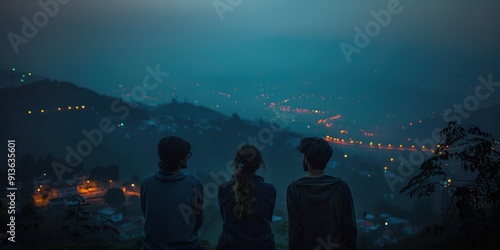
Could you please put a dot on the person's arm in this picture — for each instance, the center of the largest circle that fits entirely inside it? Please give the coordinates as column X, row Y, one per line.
column 199, row 198
column 349, row 220
column 294, row 227
column 219, row 198
column 273, row 203
column 142, row 196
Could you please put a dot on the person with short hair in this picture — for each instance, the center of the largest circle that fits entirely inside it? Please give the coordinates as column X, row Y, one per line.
column 320, row 207
column 246, row 204
column 171, row 201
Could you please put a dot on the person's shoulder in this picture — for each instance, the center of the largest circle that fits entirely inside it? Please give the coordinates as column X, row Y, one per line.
column 342, row 183
column 193, row 178
column 269, row 186
column 148, row 177
column 291, row 186
column 298, row 181
column 260, row 180
column 336, row 179
column 226, row 185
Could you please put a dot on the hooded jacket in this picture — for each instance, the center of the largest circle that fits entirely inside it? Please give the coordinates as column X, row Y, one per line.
column 320, row 214
column 172, row 207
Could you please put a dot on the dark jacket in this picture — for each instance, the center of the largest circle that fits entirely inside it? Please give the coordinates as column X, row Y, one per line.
column 251, row 232
column 172, row 207
column 320, row 214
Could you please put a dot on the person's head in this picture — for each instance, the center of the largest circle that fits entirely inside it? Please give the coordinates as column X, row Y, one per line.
column 174, row 153
column 317, row 152
column 247, row 160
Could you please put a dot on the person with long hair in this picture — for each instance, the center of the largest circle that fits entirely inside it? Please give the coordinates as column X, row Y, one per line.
column 171, row 201
column 246, row 204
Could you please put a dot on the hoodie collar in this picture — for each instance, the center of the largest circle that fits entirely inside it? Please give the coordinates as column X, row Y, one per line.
column 257, row 178
column 165, row 176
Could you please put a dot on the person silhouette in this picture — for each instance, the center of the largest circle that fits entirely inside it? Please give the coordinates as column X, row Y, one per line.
column 320, row 207
column 246, row 204
column 171, row 201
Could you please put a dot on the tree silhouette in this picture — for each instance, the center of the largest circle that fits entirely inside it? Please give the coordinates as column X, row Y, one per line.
column 26, row 166
column 112, row 172
column 135, row 179
column 97, row 174
column 80, row 222
column 475, row 200
column 114, row 197
column 28, row 220
column 80, row 218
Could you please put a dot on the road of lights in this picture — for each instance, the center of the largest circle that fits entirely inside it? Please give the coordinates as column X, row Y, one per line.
column 386, row 146
column 29, row 112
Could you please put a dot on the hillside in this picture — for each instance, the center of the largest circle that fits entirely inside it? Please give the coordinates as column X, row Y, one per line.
column 50, row 117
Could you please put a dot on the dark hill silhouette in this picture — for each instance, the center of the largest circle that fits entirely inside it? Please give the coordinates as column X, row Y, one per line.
column 15, row 78
column 214, row 136
column 187, row 111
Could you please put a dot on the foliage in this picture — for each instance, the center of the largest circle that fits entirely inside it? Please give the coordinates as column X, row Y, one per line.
column 83, row 223
column 29, row 217
column 477, row 201
column 103, row 175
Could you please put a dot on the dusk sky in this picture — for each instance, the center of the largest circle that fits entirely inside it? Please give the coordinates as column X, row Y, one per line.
column 239, row 56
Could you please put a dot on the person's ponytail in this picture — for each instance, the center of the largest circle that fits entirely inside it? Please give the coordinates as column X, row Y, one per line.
column 247, row 160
